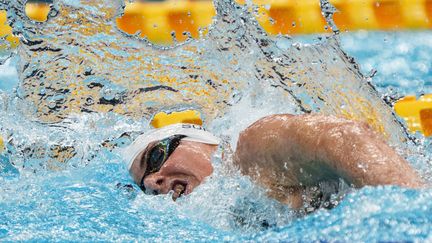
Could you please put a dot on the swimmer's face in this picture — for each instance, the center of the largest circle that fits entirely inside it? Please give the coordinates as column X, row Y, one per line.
column 186, row 168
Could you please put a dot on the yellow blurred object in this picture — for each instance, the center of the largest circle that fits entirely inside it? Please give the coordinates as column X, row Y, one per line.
column 37, row 11
column 157, row 20
column 1, row 145
column 163, row 119
column 6, row 31
column 417, row 113
column 426, row 121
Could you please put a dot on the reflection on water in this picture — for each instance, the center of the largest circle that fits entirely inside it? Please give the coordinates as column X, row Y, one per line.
column 86, row 88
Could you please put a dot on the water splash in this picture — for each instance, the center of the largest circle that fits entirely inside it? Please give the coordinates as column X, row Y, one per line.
column 328, row 10
column 80, row 52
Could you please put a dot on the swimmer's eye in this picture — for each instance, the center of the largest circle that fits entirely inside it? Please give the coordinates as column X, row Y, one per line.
column 159, row 154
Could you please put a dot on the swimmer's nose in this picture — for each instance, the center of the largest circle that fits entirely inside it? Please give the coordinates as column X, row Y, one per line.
column 155, row 184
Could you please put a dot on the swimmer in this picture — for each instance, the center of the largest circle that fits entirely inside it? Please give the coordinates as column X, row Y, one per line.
column 286, row 154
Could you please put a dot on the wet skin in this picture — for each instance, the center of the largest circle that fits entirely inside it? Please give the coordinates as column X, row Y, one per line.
column 285, row 153
column 303, row 150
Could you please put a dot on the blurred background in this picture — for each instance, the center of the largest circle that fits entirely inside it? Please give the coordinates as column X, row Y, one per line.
column 156, row 20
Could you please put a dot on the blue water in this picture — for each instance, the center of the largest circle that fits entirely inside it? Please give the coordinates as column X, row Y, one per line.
column 402, row 59
column 87, row 200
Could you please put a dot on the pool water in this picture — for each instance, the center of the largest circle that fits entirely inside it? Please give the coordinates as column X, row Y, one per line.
column 401, row 59
column 87, row 198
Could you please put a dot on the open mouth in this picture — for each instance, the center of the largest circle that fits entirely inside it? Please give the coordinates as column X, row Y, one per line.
column 179, row 189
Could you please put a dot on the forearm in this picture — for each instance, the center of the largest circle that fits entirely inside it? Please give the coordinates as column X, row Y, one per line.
column 362, row 156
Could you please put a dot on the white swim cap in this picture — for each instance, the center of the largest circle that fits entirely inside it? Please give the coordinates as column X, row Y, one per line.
column 192, row 132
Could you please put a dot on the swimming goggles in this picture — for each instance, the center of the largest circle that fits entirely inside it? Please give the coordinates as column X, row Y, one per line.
column 156, row 156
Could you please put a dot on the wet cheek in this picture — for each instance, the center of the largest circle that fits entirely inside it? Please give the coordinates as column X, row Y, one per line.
column 207, row 169
column 201, row 166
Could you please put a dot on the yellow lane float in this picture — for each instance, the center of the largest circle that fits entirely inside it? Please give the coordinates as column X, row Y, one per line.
column 417, row 113
column 157, row 20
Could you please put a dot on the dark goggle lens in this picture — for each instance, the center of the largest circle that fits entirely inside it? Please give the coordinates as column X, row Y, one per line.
column 156, row 158
column 159, row 154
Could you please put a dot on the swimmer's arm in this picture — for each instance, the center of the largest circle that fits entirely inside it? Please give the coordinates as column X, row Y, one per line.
column 289, row 151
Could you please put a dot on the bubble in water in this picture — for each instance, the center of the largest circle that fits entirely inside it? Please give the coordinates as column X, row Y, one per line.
column 272, row 21
column 108, row 93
